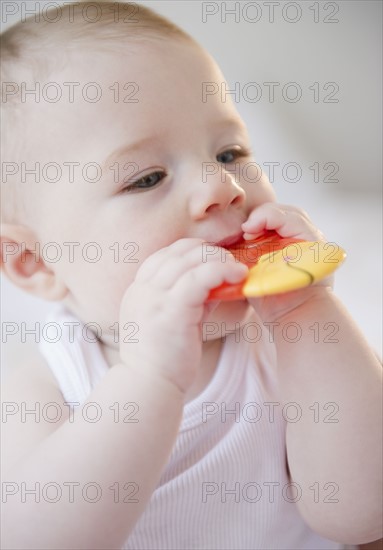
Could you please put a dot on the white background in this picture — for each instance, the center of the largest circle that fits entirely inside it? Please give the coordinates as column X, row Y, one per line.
column 348, row 132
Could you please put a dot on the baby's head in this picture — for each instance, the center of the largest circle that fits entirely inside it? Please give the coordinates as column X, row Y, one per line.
column 133, row 146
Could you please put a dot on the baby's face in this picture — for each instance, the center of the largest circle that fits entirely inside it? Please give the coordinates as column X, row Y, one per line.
column 186, row 153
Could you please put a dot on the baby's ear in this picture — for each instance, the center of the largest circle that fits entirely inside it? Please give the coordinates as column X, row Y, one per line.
column 22, row 263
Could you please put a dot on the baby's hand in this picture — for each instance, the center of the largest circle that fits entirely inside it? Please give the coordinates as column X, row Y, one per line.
column 287, row 221
column 167, row 301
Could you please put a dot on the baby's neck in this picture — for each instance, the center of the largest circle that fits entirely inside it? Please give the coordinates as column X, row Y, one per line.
column 211, row 351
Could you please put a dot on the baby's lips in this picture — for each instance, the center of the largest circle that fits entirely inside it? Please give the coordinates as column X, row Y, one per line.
column 275, row 269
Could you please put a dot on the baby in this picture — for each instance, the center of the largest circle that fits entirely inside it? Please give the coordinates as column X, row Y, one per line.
column 161, row 422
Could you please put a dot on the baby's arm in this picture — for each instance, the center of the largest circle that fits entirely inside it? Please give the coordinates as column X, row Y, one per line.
column 107, row 453
column 339, row 459
column 155, row 374
column 346, row 453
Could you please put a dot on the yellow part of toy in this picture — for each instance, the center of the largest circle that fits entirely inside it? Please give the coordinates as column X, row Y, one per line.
column 296, row 266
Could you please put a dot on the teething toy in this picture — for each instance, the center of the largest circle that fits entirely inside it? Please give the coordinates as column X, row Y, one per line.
column 279, row 265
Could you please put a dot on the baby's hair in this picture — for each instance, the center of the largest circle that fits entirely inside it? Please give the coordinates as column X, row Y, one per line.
column 35, row 46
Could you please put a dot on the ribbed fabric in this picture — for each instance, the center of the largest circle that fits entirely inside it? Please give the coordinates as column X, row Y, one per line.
column 225, row 486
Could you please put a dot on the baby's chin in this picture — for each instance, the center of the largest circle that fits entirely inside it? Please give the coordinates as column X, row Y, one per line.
column 226, row 318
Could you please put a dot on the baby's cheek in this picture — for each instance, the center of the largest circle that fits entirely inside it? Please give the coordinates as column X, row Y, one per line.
column 266, row 191
column 257, row 186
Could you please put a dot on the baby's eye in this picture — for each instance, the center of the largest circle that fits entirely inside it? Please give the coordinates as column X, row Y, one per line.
column 231, row 155
column 146, row 182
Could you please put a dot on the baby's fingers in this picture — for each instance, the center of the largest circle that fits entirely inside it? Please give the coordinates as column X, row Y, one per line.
column 152, row 265
column 286, row 220
column 194, row 286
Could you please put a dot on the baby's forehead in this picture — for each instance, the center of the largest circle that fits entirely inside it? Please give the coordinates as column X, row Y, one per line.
column 142, row 81
column 135, row 80
column 87, row 80
column 143, row 60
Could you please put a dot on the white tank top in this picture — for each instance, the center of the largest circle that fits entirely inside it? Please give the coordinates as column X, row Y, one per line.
column 225, row 485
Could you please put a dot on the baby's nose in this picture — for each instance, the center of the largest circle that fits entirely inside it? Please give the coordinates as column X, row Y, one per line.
column 217, row 190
